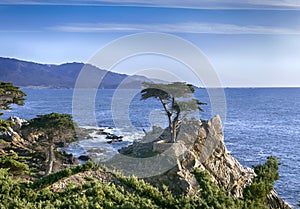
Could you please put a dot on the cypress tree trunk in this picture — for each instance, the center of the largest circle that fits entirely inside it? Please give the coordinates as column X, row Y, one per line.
column 51, row 159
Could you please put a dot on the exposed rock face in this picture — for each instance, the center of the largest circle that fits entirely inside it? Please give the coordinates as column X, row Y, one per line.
column 209, row 153
column 202, row 143
column 10, row 135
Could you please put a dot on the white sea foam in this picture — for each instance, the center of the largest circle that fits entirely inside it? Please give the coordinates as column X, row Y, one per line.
column 96, row 145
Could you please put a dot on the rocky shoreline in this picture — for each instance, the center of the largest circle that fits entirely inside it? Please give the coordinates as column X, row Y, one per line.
column 202, row 148
column 46, row 156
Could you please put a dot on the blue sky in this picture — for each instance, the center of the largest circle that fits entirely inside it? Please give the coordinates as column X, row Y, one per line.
column 253, row 43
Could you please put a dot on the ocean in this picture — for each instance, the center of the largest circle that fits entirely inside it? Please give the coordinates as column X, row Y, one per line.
column 259, row 122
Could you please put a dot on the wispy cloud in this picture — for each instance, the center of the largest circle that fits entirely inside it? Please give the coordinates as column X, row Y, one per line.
column 190, row 27
column 19, row 31
column 196, row 4
column 282, row 3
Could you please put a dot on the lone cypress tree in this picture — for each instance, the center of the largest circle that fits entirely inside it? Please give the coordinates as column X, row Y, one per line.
column 176, row 99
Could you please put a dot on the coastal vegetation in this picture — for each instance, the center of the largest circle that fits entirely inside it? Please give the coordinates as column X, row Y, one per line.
column 52, row 129
column 29, row 149
column 34, row 173
column 127, row 192
column 9, row 94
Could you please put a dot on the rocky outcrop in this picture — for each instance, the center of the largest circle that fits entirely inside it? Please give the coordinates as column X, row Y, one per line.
column 17, row 123
column 200, row 145
column 209, row 153
column 44, row 157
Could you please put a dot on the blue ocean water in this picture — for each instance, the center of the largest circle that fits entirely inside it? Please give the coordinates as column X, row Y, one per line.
column 260, row 122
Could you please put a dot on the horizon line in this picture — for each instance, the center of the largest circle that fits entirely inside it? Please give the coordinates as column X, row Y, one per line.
column 84, row 63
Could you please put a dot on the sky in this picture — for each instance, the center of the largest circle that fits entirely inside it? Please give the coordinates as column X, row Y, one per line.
column 249, row 43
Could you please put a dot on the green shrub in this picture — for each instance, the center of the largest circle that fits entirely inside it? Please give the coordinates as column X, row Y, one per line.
column 263, row 183
column 4, row 143
column 54, row 177
column 15, row 164
column 4, row 124
column 130, row 192
column 211, row 196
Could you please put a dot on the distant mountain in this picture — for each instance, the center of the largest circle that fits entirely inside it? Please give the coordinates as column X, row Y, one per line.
column 35, row 75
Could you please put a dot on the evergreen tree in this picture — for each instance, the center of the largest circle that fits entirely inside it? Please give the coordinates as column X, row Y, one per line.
column 54, row 127
column 176, row 99
column 9, row 94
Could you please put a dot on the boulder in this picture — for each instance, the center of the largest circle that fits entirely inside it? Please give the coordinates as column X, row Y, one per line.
column 10, row 135
column 17, row 122
column 84, row 158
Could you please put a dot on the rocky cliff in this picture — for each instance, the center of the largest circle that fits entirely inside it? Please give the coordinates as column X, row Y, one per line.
column 200, row 145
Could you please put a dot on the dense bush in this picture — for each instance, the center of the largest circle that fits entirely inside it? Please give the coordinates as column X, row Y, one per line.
column 210, row 194
column 14, row 163
column 130, row 192
column 263, row 183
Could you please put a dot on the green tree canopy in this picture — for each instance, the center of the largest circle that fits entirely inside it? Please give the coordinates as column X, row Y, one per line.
column 54, row 128
column 176, row 99
column 10, row 94
column 54, row 125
